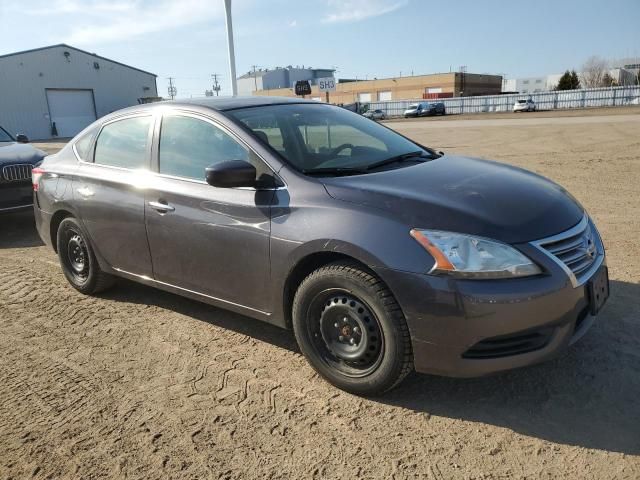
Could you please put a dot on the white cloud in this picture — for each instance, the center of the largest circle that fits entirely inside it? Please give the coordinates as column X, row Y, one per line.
column 293, row 23
column 102, row 21
column 356, row 10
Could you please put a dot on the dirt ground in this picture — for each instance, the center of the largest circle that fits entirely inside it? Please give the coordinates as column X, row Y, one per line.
column 143, row 384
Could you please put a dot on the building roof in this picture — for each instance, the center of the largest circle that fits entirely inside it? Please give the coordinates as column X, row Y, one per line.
column 64, row 45
column 257, row 73
column 261, row 72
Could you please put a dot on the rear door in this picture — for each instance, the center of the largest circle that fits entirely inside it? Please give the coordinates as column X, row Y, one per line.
column 208, row 240
column 109, row 192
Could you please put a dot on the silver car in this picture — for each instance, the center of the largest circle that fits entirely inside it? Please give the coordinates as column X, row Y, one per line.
column 375, row 114
column 524, row 106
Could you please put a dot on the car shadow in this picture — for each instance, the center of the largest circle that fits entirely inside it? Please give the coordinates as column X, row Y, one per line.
column 132, row 292
column 588, row 397
column 19, row 230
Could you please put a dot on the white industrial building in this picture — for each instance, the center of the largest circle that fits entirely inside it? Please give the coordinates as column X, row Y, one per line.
column 622, row 76
column 279, row 77
column 58, row 90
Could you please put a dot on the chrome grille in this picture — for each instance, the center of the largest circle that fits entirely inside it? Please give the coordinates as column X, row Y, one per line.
column 577, row 249
column 17, row 173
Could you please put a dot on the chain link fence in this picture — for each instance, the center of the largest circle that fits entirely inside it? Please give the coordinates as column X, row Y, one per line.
column 550, row 100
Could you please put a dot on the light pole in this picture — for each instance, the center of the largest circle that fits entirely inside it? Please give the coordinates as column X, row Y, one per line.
column 232, row 55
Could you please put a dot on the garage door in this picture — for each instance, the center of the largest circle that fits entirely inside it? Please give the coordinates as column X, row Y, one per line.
column 71, row 110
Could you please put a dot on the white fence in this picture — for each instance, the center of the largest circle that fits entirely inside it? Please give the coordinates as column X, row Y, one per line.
column 588, row 97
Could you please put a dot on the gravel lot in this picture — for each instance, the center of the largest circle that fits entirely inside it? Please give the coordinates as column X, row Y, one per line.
column 143, row 384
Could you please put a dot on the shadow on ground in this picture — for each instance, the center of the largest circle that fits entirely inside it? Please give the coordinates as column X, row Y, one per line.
column 19, row 230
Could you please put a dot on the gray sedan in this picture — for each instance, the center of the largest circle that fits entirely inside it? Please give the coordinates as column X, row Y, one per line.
column 381, row 254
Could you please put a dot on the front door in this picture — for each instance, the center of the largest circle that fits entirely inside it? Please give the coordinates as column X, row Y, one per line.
column 212, row 241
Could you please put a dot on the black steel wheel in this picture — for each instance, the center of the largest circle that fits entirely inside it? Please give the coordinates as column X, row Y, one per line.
column 351, row 330
column 347, row 335
column 78, row 256
column 78, row 261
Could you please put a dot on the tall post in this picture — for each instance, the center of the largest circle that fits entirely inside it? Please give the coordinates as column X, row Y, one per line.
column 232, row 55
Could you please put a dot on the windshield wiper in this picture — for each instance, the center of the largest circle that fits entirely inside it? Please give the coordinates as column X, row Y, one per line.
column 335, row 171
column 412, row 156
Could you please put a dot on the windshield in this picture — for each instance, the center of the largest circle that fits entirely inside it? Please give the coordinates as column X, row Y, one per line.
column 522, row 101
column 4, row 136
column 323, row 138
column 412, row 107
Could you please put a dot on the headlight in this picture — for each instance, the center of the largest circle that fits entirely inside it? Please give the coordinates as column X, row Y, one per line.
column 473, row 257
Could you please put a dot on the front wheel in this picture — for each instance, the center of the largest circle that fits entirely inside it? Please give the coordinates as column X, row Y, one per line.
column 351, row 329
column 78, row 261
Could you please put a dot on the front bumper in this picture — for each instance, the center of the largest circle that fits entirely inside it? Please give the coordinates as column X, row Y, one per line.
column 460, row 328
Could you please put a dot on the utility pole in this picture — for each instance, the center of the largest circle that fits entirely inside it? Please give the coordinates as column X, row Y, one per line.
column 232, row 55
column 255, row 79
column 216, row 85
column 172, row 90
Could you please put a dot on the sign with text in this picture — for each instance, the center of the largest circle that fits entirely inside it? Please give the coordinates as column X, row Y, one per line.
column 327, row 84
column 303, row 87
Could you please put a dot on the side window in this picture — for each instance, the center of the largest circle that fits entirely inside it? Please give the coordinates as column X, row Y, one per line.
column 83, row 144
column 266, row 127
column 189, row 145
column 124, row 143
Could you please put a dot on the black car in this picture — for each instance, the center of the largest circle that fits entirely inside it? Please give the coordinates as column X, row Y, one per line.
column 381, row 254
column 17, row 159
column 423, row 109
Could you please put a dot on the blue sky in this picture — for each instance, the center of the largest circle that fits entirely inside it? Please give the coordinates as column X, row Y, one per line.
column 362, row 38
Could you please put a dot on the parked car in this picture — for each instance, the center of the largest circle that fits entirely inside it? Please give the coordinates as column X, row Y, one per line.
column 17, row 158
column 375, row 114
column 381, row 254
column 425, row 108
column 524, row 106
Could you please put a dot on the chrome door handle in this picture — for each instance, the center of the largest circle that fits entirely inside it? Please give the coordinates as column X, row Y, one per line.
column 161, row 207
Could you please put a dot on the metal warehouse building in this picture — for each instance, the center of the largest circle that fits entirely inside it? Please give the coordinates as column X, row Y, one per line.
column 58, row 90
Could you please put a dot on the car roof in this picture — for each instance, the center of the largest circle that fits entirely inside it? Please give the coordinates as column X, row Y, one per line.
column 230, row 103
column 221, row 104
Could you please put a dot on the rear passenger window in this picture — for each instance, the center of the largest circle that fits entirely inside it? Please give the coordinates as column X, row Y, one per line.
column 188, row 146
column 124, row 143
column 83, row 144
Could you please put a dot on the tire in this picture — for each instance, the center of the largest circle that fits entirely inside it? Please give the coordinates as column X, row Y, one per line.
column 351, row 329
column 78, row 261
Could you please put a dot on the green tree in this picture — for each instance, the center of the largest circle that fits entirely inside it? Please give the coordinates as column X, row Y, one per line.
column 575, row 81
column 568, row 81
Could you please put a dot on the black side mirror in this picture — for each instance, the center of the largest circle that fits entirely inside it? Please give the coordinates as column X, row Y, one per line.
column 233, row 173
column 22, row 138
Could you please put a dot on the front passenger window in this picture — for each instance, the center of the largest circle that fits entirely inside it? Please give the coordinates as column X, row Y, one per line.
column 124, row 143
column 189, row 145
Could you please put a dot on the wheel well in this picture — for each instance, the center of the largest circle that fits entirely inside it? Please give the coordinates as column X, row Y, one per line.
column 56, row 220
column 303, row 269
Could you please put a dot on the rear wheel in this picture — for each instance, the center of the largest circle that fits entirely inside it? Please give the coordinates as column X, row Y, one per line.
column 78, row 261
column 351, row 329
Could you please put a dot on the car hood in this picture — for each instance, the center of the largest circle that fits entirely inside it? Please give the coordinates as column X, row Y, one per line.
column 468, row 195
column 13, row 152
